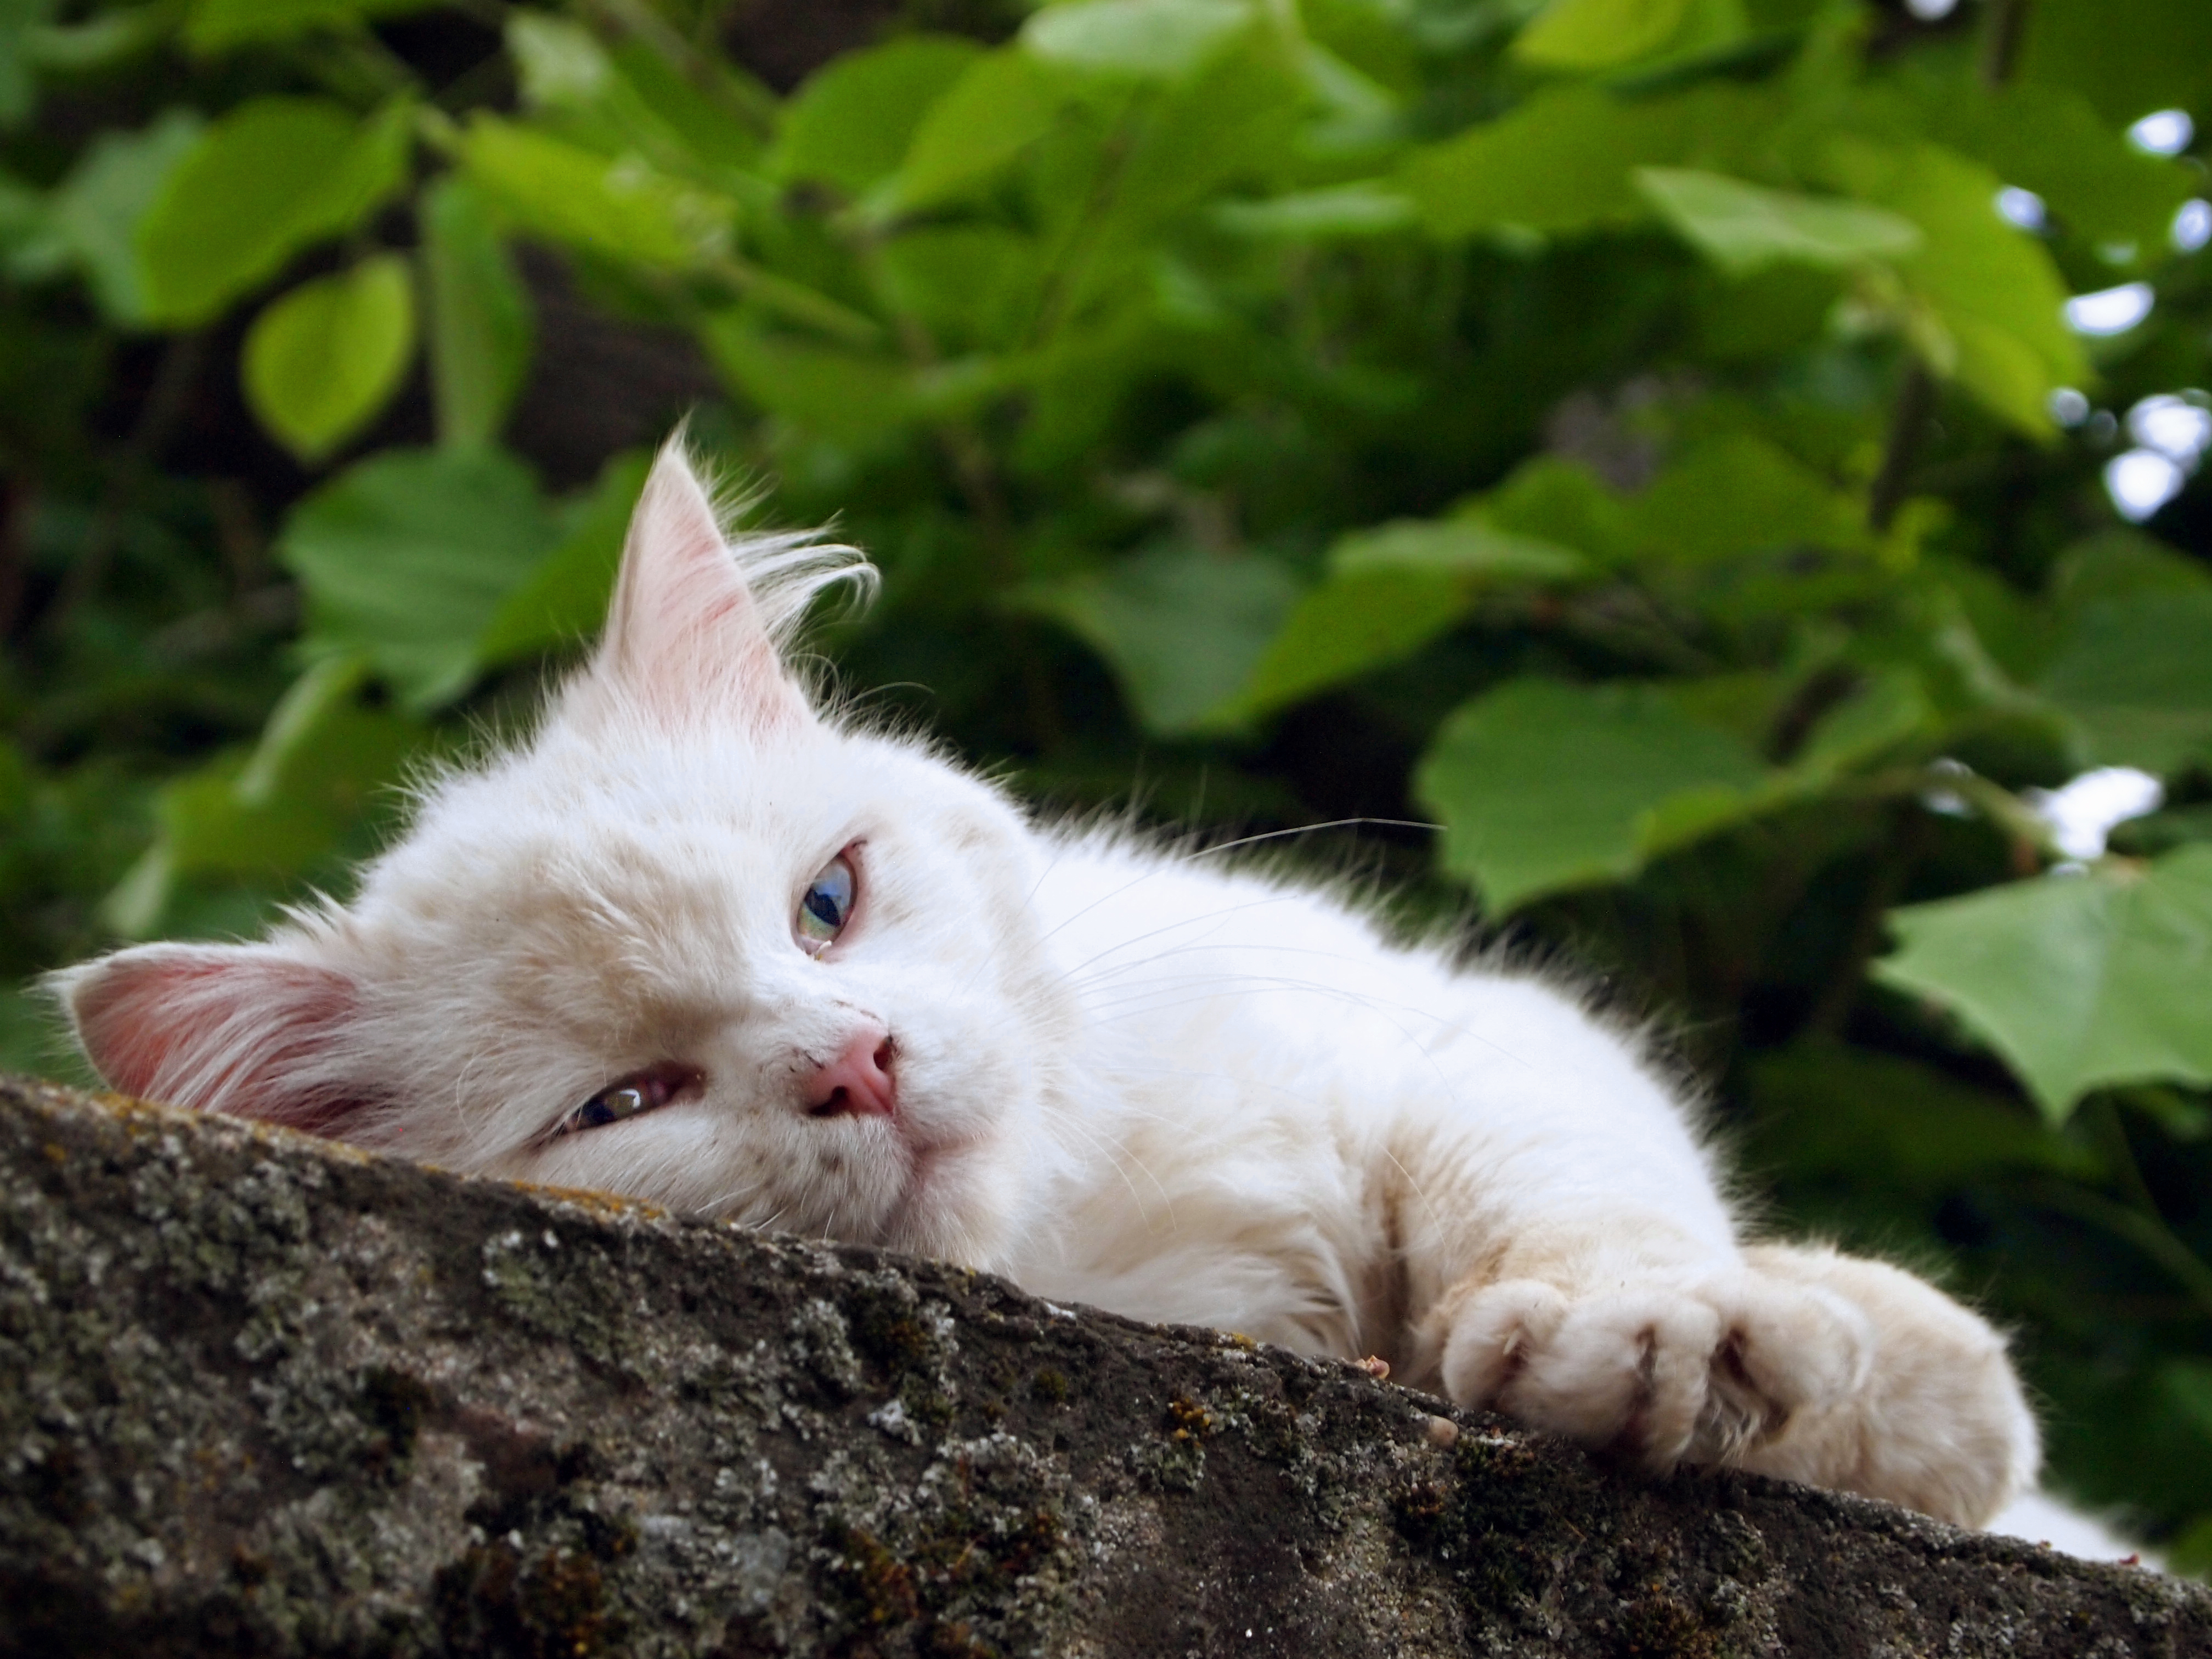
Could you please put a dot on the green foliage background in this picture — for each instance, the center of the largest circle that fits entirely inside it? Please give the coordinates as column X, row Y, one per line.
column 1619, row 433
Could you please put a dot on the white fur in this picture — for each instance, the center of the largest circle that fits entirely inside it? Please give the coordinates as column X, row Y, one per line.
column 1151, row 1079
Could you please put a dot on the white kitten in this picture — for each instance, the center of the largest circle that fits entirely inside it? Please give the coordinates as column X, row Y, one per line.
column 701, row 943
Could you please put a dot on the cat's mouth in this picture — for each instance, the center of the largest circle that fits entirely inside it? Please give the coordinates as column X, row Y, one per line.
column 933, row 1157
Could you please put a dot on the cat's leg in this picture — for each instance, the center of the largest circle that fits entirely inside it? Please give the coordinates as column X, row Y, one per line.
column 1939, row 1423
column 1796, row 1363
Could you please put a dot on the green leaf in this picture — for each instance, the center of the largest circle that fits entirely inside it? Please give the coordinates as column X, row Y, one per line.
column 1468, row 546
column 1543, row 787
column 98, row 209
column 1002, row 103
column 702, row 116
column 2078, row 982
column 622, row 208
column 321, row 362
column 479, row 323
column 1596, row 34
column 1565, row 161
column 1890, row 707
column 565, row 599
column 1736, row 494
column 215, row 26
column 1354, row 622
column 1182, row 630
column 559, row 64
column 2134, row 671
column 268, row 179
column 1338, row 210
column 968, row 284
column 1550, row 499
column 2052, row 142
column 1992, row 290
column 1827, row 1108
column 407, row 558
column 845, row 396
column 1743, row 228
column 2128, row 57
column 305, row 793
column 851, row 123
column 1141, row 40
column 18, row 92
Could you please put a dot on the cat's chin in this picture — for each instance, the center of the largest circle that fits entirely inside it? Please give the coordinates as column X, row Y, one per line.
column 946, row 1210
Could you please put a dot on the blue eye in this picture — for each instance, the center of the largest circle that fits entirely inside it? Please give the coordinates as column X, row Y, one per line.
column 654, row 1086
column 826, row 906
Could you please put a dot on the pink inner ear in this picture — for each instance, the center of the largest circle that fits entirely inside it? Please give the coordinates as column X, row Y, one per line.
column 683, row 631
column 237, row 1029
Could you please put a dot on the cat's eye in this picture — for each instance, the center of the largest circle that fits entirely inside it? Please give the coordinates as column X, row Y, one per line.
column 641, row 1091
column 826, row 906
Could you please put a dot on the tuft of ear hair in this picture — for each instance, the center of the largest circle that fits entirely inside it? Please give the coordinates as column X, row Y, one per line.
column 249, row 1029
column 699, row 620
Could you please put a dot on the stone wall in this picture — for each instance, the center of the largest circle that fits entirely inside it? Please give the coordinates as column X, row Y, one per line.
column 262, row 1396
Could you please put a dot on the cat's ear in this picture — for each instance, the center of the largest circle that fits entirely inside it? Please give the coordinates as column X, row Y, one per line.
column 685, row 635
column 249, row 1029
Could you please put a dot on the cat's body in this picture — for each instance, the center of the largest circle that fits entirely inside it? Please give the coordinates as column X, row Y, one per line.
column 698, row 943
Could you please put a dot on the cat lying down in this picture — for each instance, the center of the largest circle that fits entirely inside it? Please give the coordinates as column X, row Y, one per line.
column 703, row 942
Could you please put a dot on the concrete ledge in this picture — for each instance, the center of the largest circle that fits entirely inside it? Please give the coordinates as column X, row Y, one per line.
column 262, row 1396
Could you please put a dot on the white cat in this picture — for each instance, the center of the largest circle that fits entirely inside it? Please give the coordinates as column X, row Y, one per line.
column 701, row 942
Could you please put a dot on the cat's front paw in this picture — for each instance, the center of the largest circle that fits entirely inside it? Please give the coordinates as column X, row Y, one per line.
column 1702, row 1367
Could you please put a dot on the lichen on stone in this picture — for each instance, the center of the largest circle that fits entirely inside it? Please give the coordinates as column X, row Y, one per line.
column 266, row 1395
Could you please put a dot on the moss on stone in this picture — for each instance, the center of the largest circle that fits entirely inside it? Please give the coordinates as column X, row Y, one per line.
column 266, row 1395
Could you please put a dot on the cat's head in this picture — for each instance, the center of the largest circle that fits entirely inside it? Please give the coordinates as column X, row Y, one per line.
column 695, row 943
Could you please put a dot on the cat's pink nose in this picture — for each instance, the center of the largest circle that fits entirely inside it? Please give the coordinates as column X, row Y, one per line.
column 859, row 1081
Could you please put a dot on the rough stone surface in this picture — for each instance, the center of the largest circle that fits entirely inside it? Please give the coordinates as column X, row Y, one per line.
column 262, row 1395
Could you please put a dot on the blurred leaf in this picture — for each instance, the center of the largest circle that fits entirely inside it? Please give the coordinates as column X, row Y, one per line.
column 705, row 117
column 1891, row 706
column 716, row 110
column 1828, row 1108
column 1549, row 498
column 850, row 124
column 266, row 180
column 1543, row 787
column 1182, row 630
column 479, row 322
column 1231, row 120
column 2135, row 672
column 967, row 283
column 564, row 600
column 2121, row 564
column 1742, row 227
column 1357, row 620
column 407, row 558
column 1002, row 103
column 845, row 396
column 1991, row 288
column 97, row 210
column 1565, row 161
column 1357, row 209
column 1736, row 494
column 1144, row 39
column 320, row 363
column 18, row 92
column 214, row 26
column 2128, row 57
column 623, row 209
column 2052, row 142
column 2078, row 982
column 1600, row 34
column 1467, row 545
column 559, row 64
column 271, row 816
